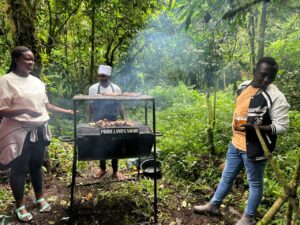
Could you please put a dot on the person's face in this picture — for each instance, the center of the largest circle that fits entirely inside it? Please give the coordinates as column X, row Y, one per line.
column 25, row 63
column 103, row 78
column 263, row 76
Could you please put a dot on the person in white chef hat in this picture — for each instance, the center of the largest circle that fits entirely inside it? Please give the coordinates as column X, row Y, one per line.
column 100, row 110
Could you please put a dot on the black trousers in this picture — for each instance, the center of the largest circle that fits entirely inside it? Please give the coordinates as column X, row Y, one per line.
column 114, row 165
column 31, row 160
column 114, row 162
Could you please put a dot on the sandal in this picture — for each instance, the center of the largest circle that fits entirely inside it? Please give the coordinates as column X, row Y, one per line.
column 99, row 173
column 23, row 217
column 43, row 207
column 118, row 176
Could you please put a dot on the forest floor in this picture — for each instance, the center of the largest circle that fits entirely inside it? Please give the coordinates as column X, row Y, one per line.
column 57, row 193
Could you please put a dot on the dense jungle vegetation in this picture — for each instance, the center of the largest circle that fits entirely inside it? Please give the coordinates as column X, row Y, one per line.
column 191, row 55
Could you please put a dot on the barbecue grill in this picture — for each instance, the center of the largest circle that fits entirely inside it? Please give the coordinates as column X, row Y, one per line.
column 96, row 142
column 115, row 142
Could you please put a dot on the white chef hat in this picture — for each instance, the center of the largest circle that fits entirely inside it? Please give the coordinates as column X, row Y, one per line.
column 104, row 69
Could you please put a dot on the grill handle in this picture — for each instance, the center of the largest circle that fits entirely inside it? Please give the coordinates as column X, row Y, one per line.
column 158, row 134
column 66, row 139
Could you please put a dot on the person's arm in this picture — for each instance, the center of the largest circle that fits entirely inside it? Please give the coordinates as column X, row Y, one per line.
column 90, row 111
column 265, row 128
column 12, row 112
column 53, row 108
column 122, row 111
column 279, row 113
column 121, row 105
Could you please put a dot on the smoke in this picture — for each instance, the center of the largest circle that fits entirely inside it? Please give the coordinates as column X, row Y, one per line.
column 161, row 54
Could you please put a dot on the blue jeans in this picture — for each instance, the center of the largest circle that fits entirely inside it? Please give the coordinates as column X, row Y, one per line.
column 235, row 160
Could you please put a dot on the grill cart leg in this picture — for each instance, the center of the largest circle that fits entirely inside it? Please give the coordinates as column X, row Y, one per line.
column 73, row 188
column 73, row 183
column 155, row 175
column 155, row 189
column 139, row 167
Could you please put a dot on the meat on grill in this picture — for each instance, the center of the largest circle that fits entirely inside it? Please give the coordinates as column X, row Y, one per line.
column 126, row 94
column 107, row 123
column 131, row 94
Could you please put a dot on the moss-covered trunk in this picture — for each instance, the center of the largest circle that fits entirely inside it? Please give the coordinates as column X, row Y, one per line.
column 22, row 14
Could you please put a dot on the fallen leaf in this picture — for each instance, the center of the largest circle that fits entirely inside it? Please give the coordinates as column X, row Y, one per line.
column 95, row 201
column 52, row 198
column 178, row 221
column 63, row 202
column 89, row 196
column 184, row 204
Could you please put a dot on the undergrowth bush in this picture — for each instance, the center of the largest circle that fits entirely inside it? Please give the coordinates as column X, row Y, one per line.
column 182, row 119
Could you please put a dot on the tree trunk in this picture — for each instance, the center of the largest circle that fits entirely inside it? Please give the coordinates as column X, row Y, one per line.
column 289, row 214
column 262, row 29
column 66, row 75
column 5, row 31
column 23, row 18
column 246, row 6
column 92, row 41
column 210, row 125
column 251, row 32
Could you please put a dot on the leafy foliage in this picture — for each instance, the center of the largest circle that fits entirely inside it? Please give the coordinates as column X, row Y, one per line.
column 289, row 75
column 184, row 150
column 182, row 119
column 184, row 50
column 61, row 157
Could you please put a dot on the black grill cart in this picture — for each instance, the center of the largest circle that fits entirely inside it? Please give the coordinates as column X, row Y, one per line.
column 114, row 142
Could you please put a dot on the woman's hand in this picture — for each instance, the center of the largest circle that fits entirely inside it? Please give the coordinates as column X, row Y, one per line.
column 32, row 112
column 239, row 128
column 12, row 112
column 69, row 111
column 54, row 108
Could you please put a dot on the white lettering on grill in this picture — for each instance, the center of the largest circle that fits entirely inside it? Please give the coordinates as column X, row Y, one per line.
column 120, row 131
column 106, row 131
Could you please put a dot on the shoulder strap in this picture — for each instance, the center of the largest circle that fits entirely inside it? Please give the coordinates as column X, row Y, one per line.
column 112, row 88
column 239, row 91
column 98, row 92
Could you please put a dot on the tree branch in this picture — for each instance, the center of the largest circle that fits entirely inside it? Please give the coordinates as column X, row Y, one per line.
column 289, row 189
column 64, row 23
column 233, row 12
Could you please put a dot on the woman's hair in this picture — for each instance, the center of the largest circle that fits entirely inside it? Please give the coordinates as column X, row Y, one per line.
column 16, row 53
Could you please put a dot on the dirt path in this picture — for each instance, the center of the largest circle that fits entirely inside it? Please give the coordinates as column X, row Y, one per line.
column 58, row 195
